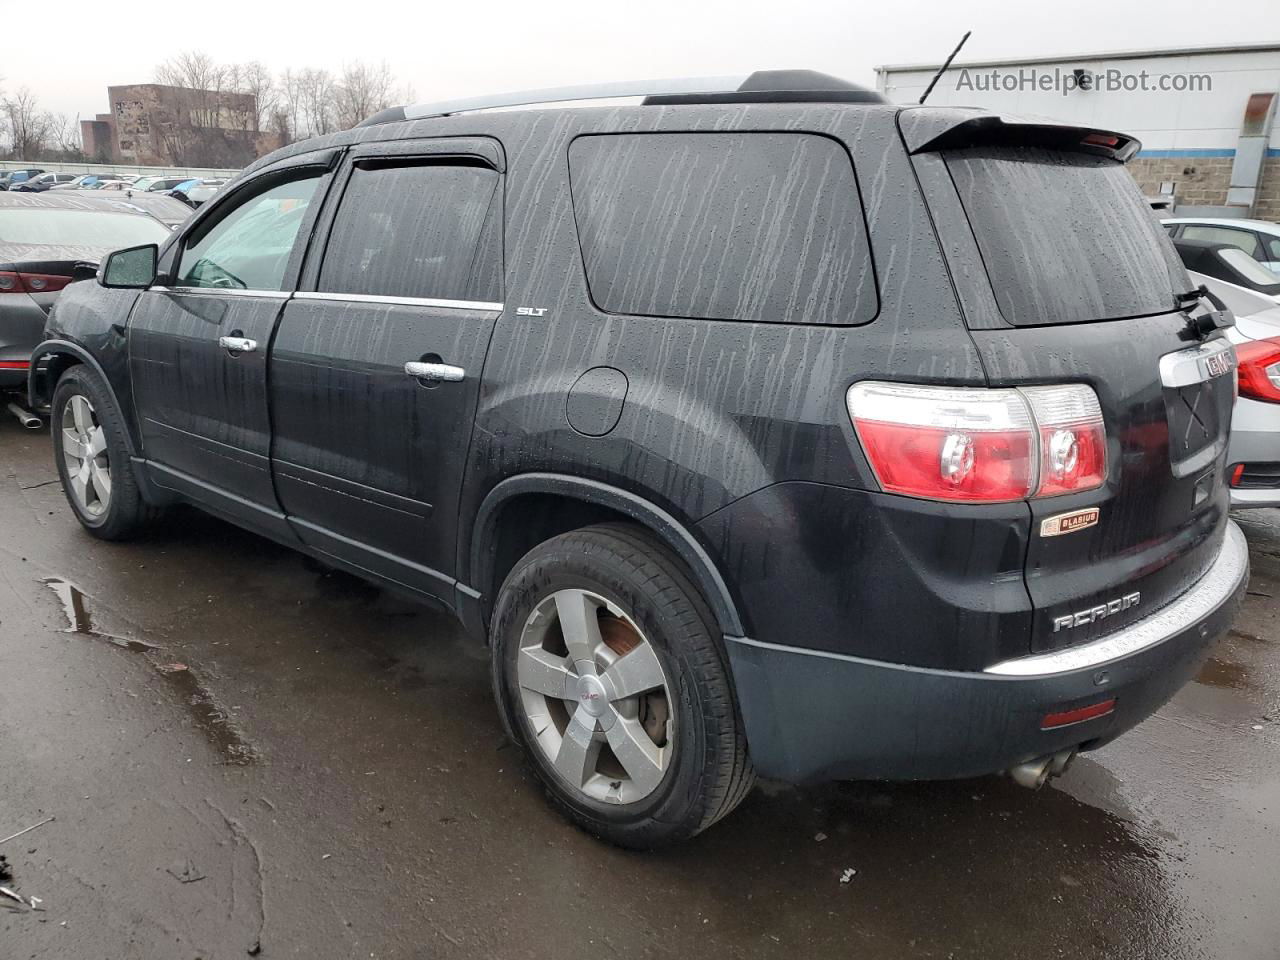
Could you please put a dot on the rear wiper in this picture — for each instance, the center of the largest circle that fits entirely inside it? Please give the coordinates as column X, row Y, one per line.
column 1201, row 325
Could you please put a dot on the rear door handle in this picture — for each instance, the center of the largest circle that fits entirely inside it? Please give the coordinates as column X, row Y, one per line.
column 238, row 344
column 445, row 372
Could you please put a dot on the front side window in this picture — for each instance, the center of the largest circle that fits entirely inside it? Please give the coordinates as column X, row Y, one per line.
column 421, row 230
column 249, row 248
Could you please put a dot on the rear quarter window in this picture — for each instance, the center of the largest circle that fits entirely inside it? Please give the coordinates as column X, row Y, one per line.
column 764, row 227
column 1066, row 237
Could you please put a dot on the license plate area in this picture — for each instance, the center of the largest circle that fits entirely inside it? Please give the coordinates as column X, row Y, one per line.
column 1196, row 409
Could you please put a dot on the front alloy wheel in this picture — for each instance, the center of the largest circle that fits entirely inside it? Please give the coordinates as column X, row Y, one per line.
column 84, row 448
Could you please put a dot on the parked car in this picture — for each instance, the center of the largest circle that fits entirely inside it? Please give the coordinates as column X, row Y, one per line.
column 15, row 177
column 772, row 428
column 42, row 182
column 167, row 210
column 86, row 181
column 196, row 192
column 1260, row 239
column 1253, row 456
column 1228, row 262
column 155, row 184
column 43, row 239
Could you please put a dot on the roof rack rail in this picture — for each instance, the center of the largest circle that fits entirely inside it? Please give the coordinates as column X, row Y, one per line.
column 763, row 86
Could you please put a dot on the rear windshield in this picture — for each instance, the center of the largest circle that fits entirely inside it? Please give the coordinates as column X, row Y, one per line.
column 78, row 228
column 1066, row 237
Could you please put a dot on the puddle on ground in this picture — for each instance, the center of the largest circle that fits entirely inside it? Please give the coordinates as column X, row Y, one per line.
column 1224, row 673
column 209, row 716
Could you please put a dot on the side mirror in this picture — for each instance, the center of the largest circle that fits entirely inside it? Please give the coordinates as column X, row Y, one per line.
column 133, row 268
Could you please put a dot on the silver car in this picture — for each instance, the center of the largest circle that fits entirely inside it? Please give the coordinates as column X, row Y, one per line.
column 1253, row 454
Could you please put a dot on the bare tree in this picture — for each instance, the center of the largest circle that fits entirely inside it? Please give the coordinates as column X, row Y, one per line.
column 255, row 80
column 30, row 128
column 66, row 136
column 317, row 101
column 361, row 91
column 291, row 104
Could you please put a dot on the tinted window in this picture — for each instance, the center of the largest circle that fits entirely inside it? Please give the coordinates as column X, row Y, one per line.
column 425, row 230
column 1273, row 248
column 1243, row 239
column 1066, row 237
column 722, row 226
column 249, row 248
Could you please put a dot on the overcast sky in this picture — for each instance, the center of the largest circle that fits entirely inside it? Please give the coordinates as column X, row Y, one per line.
column 445, row 50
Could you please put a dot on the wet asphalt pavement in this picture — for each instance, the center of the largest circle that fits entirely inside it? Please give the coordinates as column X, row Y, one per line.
column 247, row 754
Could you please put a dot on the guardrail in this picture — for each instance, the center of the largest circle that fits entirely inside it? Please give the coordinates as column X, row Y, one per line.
column 107, row 168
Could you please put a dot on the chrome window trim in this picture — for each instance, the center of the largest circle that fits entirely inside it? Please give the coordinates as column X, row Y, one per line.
column 404, row 301
column 1186, row 367
column 223, row 292
column 1221, row 580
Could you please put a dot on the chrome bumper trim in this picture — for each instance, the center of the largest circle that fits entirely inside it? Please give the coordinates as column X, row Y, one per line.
column 1229, row 568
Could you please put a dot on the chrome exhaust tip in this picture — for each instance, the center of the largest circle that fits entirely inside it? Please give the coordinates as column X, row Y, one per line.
column 1035, row 773
column 1031, row 774
column 25, row 417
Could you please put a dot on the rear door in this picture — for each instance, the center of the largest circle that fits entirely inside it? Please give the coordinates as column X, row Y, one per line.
column 198, row 343
column 1067, row 277
column 376, row 365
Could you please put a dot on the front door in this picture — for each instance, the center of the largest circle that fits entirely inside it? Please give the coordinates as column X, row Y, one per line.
column 198, row 345
column 375, row 369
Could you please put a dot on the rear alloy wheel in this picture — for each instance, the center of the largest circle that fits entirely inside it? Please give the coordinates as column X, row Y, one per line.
column 610, row 673
column 595, row 696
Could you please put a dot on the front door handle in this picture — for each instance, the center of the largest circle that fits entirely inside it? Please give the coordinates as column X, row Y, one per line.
column 238, row 344
column 445, row 372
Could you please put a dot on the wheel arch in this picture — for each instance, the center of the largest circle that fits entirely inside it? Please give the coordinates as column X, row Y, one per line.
column 58, row 356
column 582, row 502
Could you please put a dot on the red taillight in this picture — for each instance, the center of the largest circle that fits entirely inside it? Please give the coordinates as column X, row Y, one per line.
column 1259, row 369
column 31, row 282
column 1100, row 140
column 980, row 445
column 1236, row 473
column 1073, row 440
column 1067, row 717
column 15, row 364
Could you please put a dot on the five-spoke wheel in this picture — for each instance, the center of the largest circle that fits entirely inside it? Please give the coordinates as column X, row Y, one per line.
column 595, row 696
column 84, row 447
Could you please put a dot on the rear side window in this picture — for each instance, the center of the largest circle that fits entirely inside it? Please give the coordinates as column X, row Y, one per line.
column 1066, row 237
column 1243, row 239
column 722, row 226
column 426, row 231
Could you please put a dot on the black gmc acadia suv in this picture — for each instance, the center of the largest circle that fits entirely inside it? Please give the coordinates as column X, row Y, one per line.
column 764, row 428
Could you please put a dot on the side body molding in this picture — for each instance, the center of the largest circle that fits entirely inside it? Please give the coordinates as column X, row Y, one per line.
column 671, row 531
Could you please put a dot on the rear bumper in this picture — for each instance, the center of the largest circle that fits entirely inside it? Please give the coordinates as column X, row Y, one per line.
column 812, row 715
column 21, row 327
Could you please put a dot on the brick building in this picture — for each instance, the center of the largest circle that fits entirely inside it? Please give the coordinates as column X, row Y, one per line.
column 157, row 125
column 1205, row 116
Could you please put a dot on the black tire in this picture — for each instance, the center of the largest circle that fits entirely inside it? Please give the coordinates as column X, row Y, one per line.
column 709, row 772
column 126, row 513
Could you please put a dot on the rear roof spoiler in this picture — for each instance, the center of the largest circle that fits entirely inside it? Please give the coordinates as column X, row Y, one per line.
column 948, row 128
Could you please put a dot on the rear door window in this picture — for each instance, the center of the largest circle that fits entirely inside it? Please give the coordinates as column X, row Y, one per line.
column 763, row 227
column 421, row 230
column 1066, row 237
